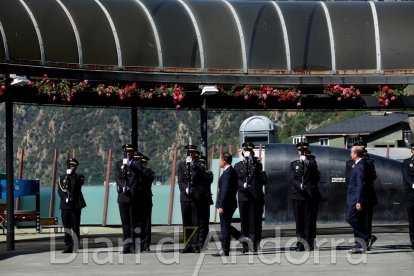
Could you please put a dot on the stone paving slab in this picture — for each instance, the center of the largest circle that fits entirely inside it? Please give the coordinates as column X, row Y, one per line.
column 100, row 255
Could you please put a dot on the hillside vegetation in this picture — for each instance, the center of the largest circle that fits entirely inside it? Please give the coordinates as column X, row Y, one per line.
column 91, row 132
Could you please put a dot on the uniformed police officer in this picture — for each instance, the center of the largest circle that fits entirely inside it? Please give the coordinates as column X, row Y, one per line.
column 146, row 203
column 71, row 204
column 205, row 200
column 304, row 194
column 127, row 174
column 251, row 179
column 190, row 175
column 408, row 179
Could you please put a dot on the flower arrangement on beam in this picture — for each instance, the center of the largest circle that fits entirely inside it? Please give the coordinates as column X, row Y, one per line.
column 58, row 90
column 386, row 95
column 2, row 86
column 341, row 93
column 175, row 91
column 64, row 90
column 263, row 93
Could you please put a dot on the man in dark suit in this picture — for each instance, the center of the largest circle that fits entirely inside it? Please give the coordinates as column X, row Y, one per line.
column 408, row 179
column 190, row 178
column 71, row 204
column 128, row 173
column 357, row 192
column 226, row 205
column 251, row 179
column 371, row 196
column 303, row 178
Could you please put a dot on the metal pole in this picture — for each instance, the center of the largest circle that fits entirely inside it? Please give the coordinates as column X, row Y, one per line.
column 20, row 175
column 203, row 128
column 134, row 127
column 52, row 192
column 10, row 175
column 172, row 186
column 108, row 173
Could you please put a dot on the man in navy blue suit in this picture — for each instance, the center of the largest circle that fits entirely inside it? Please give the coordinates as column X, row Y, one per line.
column 357, row 189
column 408, row 179
column 227, row 204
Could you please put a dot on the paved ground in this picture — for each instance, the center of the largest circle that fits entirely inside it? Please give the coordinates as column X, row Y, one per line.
column 40, row 254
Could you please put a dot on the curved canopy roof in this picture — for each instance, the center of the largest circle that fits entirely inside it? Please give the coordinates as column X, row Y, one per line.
column 210, row 41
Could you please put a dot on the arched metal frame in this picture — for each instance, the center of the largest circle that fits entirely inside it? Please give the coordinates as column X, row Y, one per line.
column 75, row 31
column 203, row 71
column 377, row 37
column 156, row 35
column 285, row 36
column 331, row 37
column 37, row 29
column 6, row 47
column 241, row 34
column 116, row 38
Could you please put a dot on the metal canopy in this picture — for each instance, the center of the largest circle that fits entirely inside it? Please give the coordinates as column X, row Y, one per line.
column 210, row 41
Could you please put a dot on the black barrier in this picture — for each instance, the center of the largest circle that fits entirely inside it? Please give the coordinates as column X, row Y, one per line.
column 332, row 186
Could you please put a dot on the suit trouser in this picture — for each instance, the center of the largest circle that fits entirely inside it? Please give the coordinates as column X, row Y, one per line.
column 146, row 223
column 369, row 212
column 410, row 212
column 302, row 210
column 227, row 230
column 128, row 220
column 251, row 213
column 71, row 223
column 189, row 215
column 314, row 217
column 203, row 217
column 357, row 220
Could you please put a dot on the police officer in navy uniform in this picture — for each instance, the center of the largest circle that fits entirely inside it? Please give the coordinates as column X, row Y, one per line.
column 408, row 180
column 304, row 194
column 146, row 203
column 205, row 200
column 190, row 177
column 71, row 204
column 251, row 179
column 127, row 176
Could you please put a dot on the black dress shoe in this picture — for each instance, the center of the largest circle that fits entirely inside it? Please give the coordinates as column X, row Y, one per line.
column 67, row 250
column 128, row 251
column 245, row 248
column 357, row 250
column 146, row 248
column 370, row 242
column 220, row 253
column 187, row 249
column 196, row 249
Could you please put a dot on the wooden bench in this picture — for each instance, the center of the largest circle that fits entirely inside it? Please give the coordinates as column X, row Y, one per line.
column 50, row 223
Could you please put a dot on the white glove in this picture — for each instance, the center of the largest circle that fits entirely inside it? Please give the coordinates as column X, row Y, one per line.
column 124, row 189
column 245, row 185
column 301, row 186
column 302, row 158
column 67, row 200
column 125, row 161
column 413, row 186
column 187, row 190
column 68, row 171
column 246, row 153
column 188, row 159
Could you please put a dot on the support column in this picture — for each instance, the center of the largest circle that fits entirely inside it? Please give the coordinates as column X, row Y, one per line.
column 203, row 128
column 10, row 175
column 134, row 127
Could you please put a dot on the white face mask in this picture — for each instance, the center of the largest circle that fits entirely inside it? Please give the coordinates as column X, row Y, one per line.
column 68, row 171
column 246, row 153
